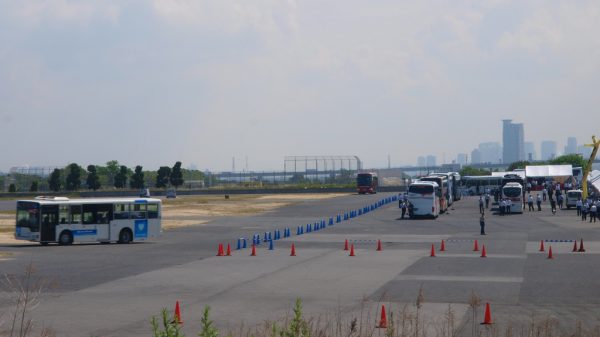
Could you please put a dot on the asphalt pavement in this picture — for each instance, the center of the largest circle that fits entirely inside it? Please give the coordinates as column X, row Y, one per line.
column 113, row 290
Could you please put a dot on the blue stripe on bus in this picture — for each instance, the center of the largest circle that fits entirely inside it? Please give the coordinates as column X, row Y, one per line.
column 84, row 232
column 141, row 201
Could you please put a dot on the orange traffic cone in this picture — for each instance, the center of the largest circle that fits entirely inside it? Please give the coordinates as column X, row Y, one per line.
column 352, row 250
column 293, row 253
column 550, row 253
column 483, row 254
column 379, row 246
column 228, row 250
column 346, row 245
column 581, row 249
column 476, row 247
column 383, row 320
column 487, row 318
column 432, row 251
column 443, row 247
column 575, row 246
column 220, row 250
column 177, row 317
column 542, row 246
column 253, row 250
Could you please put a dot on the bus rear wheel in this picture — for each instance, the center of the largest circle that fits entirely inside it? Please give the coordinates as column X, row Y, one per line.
column 65, row 238
column 124, row 236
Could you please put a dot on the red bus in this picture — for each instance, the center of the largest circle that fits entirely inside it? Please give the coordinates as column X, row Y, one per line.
column 367, row 183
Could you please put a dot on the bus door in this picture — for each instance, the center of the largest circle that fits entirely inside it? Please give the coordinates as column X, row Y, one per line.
column 49, row 223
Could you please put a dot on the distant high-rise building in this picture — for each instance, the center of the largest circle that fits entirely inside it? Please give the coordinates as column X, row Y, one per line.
column 462, row 158
column 585, row 151
column 475, row 156
column 571, row 145
column 430, row 160
column 548, row 149
column 490, row 152
column 421, row 161
column 513, row 137
column 530, row 153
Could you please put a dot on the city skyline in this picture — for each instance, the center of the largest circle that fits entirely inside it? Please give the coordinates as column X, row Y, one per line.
column 154, row 82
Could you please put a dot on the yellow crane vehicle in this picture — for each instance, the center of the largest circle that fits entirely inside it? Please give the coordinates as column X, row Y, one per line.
column 588, row 168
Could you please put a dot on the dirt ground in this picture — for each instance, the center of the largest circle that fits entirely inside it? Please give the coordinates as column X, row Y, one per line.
column 198, row 210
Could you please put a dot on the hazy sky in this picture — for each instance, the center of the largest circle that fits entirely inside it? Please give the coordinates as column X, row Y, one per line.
column 152, row 82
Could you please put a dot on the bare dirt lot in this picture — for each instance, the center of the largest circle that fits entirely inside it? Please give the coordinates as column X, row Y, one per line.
column 197, row 210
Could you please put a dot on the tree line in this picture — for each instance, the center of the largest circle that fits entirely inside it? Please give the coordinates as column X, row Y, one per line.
column 94, row 177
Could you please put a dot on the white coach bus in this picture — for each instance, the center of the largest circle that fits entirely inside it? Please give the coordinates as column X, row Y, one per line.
column 65, row 221
column 425, row 198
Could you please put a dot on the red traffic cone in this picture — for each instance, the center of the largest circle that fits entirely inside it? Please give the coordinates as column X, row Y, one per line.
column 346, row 245
column 483, row 254
column 220, row 250
column 383, row 321
column 177, row 317
column 581, row 249
column 550, row 253
column 253, row 251
column 575, row 246
column 542, row 246
column 293, row 253
column 352, row 250
column 432, row 251
column 379, row 246
column 476, row 246
column 487, row 318
column 228, row 250
column 443, row 247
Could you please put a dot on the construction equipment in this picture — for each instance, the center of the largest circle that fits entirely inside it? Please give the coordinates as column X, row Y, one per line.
column 588, row 168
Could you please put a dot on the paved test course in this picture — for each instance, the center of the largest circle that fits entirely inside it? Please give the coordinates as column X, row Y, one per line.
column 113, row 290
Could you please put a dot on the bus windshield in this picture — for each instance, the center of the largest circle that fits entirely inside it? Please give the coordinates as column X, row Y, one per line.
column 512, row 192
column 421, row 189
column 364, row 179
column 28, row 215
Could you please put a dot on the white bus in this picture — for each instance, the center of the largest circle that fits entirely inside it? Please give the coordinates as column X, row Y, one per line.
column 65, row 221
column 514, row 192
column 425, row 198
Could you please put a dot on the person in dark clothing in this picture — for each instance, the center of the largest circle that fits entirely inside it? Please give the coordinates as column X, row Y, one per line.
column 403, row 208
column 410, row 209
column 482, row 224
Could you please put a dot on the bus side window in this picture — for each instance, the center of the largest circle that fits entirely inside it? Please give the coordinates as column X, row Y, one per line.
column 121, row 211
column 138, row 211
column 76, row 214
column 152, row 211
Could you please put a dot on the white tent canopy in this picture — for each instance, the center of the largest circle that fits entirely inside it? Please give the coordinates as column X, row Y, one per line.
column 502, row 174
column 549, row 171
column 594, row 179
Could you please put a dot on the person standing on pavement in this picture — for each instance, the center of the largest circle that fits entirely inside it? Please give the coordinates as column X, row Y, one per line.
column 593, row 210
column 508, row 206
column 539, row 202
column 502, row 206
column 545, row 192
column 403, row 208
column 578, row 205
column 481, row 204
column 560, row 199
column 530, row 203
column 482, row 223
column 487, row 200
column 584, row 211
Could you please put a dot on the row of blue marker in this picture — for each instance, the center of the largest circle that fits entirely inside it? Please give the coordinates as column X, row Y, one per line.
column 321, row 224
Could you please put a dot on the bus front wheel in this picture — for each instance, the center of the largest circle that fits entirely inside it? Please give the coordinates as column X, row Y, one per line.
column 65, row 238
column 125, row 236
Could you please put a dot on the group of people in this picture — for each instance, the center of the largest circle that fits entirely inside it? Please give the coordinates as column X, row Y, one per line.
column 588, row 207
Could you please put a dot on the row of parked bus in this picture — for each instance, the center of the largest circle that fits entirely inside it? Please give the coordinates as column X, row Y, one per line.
column 432, row 195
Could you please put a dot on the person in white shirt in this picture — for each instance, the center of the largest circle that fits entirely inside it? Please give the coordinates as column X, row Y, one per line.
column 539, row 202
column 530, row 203
column 508, row 205
column 578, row 205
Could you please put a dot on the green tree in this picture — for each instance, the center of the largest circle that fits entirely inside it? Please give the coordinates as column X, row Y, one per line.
column 574, row 159
column 176, row 177
column 112, row 169
column 93, row 180
column 73, row 180
column 121, row 177
column 34, row 186
column 12, row 188
column 137, row 179
column 519, row 165
column 162, row 177
column 54, row 182
column 472, row 171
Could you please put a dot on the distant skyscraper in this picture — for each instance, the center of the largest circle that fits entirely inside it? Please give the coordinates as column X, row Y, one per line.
column 462, row 158
column 571, row 145
column 430, row 160
column 530, row 153
column 490, row 152
column 548, row 149
column 513, row 137
column 475, row 156
column 421, row 161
